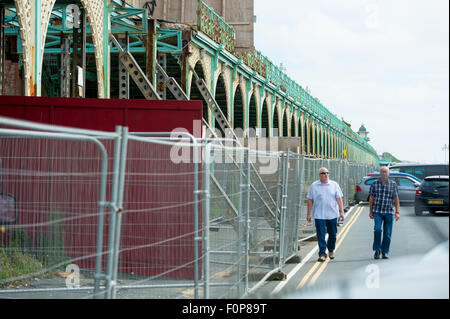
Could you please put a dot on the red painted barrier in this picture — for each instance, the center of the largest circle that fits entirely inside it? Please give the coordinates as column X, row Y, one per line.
column 105, row 114
column 157, row 232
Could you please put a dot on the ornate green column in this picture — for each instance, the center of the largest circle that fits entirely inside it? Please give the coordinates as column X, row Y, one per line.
column 308, row 134
column 248, row 92
column 302, row 131
column 272, row 108
column 106, row 50
column 262, row 97
column 37, row 33
column 314, row 137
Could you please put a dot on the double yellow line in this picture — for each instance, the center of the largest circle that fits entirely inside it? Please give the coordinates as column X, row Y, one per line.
column 340, row 238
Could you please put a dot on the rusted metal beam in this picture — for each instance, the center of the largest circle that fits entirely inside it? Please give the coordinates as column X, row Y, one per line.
column 152, row 37
column 79, row 58
column 2, row 47
column 186, row 38
column 65, row 66
column 124, row 76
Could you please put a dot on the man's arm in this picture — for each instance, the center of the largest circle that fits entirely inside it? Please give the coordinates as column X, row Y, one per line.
column 396, row 203
column 341, row 208
column 371, row 199
column 371, row 206
column 310, row 204
column 397, row 208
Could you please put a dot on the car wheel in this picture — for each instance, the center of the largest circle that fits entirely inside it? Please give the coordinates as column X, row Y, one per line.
column 418, row 210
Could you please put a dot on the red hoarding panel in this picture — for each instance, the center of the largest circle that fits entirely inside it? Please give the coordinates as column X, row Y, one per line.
column 105, row 114
column 158, row 221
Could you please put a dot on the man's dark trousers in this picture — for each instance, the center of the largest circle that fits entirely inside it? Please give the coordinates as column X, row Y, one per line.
column 324, row 226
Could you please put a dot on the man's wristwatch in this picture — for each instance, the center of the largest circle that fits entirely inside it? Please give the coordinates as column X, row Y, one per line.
column 397, row 212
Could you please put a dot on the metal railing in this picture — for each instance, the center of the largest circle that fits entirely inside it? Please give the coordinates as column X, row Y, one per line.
column 215, row 26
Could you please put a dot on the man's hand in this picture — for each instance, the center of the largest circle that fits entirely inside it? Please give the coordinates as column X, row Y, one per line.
column 397, row 208
column 310, row 205
column 371, row 215
column 341, row 216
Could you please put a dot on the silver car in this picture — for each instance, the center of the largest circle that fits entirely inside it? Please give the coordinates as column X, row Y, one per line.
column 407, row 186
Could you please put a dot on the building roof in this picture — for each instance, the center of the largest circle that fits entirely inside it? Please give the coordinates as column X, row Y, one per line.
column 362, row 128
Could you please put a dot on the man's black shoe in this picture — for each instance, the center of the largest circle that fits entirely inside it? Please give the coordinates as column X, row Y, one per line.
column 385, row 256
column 377, row 254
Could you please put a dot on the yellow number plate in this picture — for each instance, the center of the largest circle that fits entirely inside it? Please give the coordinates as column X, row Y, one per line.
column 435, row 202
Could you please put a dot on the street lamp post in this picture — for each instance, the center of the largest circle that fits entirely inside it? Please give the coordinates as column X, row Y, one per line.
column 445, row 149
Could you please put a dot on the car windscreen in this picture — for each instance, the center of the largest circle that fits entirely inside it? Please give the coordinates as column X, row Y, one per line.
column 437, row 170
column 421, row 171
column 436, row 184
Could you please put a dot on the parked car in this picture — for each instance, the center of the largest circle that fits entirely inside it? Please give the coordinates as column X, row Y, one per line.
column 420, row 170
column 432, row 195
column 407, row 185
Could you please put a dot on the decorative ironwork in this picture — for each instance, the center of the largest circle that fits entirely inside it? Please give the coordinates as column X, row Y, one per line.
column 150, row 5
column 255, row 60
column 215, row 26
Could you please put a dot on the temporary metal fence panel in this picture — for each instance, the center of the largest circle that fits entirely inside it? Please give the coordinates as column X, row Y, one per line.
column 241, row 235
column 263, row 214
column 228, row 222
column 158, row 237
column 291, row 218
column 53, row 239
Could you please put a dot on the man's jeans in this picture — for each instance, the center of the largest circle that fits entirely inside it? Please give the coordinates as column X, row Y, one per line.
column 324, row 226
column 383, row 224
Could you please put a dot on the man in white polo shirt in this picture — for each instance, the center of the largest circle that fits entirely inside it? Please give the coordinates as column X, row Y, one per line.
column 325, row 202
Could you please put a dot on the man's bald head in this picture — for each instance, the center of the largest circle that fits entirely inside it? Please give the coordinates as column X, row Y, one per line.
column 323, row 175
column 384, row 173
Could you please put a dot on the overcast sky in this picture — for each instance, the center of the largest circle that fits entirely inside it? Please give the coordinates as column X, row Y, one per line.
column 384, row 63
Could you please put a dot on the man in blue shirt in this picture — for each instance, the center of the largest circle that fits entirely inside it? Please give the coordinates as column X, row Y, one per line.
column 325, row 202
column 383, row 198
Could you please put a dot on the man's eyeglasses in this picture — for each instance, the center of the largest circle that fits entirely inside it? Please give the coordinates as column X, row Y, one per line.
column 324, row 173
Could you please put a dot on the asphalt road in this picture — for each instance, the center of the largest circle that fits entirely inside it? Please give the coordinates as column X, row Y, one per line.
column 413, row 238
